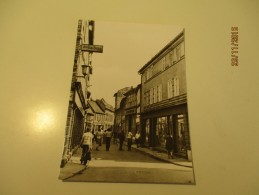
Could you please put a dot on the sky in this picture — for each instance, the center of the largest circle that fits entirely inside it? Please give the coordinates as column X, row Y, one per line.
column 127, row 47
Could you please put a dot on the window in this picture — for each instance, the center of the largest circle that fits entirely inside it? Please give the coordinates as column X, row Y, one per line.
column 149, row 72
column 182, row 49
column 145, row 76
column 159, row 93
column 163, row 63
column 147, row 98
column 171, row 58
column 161, row 130
column 155, row 94
column 151, row 95
column 178, row 53
column 173, row 87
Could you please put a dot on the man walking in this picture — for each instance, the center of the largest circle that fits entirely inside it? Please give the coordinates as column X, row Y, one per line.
column 86, row 144
column 121, row 139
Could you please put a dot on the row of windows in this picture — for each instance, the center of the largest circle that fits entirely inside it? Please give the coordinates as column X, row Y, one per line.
column 101, row 117
column 170, row 59
column 154, row 95
column 131, row 100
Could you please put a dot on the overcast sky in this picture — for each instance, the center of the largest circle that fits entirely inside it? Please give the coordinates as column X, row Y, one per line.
column 126, row 48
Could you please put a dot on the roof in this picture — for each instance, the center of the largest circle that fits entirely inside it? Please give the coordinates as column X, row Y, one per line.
column 95, row 107
column 104, row 105
column 161, row 51
column 89, row 111
column 122, row 91
column 133, row 90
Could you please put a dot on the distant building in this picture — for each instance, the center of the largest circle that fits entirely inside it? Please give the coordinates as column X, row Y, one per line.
column 108, row 111
column 101, row 115
column 98, row 116
column 119, row 116
column 164, row 98
column 132, row 110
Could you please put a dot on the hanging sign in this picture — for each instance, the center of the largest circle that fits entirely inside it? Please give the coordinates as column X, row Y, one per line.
column 92, row 48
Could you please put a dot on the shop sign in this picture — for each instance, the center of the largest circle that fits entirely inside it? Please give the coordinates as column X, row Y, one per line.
column 92, row 48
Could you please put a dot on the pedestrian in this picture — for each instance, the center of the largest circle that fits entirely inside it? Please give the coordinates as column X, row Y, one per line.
column 169, row 144
column 108, row 136
column 102, row 131
column 99, row 136
column 137, row 139
column 129, row 139
column 121, row 137
column 86, row 144
column 115, row 136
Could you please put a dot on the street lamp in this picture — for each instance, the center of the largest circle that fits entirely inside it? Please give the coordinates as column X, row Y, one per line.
column 85, row 69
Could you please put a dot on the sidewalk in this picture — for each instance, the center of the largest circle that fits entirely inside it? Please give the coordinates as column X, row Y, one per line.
column 74, row 167
column 163, row 157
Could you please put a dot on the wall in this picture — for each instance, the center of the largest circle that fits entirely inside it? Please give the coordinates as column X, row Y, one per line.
column 37, row 50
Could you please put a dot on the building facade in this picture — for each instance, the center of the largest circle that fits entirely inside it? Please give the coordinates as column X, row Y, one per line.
column 77, row 108
column 164, row 98
column 98, row 116
column 132, row 110
column 119, row 115
column 108, row 111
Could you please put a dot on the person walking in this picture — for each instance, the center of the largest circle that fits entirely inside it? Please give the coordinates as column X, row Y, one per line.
column 99, row 136
column 86, row 144
column 169, row 145
column 129, row 139
column 121, row 137
column 137, row 139
column 108, row 136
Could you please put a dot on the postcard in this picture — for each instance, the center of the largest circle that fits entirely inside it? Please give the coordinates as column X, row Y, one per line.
column 127, row 119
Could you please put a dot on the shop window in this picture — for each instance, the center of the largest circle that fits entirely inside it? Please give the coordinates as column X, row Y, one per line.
column 161, row 131
column 180, row 133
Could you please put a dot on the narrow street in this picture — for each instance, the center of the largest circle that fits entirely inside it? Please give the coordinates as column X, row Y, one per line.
column 130, row 166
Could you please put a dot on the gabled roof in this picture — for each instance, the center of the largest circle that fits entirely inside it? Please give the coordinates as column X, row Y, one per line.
column 89, row 111
column 104, row 105
column 95, row 107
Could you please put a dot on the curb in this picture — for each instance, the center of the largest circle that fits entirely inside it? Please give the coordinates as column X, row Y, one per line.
column 162, row 159
column 73, row 174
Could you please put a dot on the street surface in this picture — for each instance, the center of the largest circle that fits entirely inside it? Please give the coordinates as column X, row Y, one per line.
column 131, row 167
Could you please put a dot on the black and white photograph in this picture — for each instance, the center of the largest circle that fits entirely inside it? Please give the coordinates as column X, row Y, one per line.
column 129, row 97
column 127, row 119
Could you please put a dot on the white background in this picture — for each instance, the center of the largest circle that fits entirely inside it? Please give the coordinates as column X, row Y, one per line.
column 37, row 40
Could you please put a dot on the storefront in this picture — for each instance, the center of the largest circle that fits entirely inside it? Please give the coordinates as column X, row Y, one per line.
column 156, row 125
